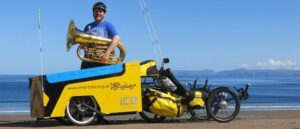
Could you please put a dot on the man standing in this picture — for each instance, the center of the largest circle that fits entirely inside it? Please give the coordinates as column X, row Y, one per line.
column 104, row 29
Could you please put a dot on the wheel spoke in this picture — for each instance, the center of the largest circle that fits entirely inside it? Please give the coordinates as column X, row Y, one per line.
column 80, row 116
column 77, row 115
column 72, row 110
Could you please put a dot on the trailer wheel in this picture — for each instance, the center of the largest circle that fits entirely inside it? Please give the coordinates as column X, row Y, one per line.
column 79, row 114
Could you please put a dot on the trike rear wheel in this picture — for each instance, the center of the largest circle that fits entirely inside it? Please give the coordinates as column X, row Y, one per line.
column 151, row 117
column 223, row 105
column 200, row 114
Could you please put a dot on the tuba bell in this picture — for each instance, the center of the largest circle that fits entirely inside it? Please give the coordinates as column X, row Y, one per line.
column 93, row 46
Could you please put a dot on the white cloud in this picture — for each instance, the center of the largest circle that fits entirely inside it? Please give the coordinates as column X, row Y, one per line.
column 278, row 64
column 243, row 66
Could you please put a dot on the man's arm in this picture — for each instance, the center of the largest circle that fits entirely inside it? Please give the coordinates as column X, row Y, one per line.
column 112, row 46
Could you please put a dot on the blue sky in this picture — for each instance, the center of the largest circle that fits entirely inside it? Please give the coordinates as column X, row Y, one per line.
column 194, row 34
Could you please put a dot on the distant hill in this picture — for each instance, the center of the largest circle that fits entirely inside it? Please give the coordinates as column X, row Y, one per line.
column 14, row 76
column 238, row 72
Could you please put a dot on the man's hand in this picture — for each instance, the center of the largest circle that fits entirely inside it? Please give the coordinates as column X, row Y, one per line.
column 105, row 57
column 113, row 44
column 85, row 48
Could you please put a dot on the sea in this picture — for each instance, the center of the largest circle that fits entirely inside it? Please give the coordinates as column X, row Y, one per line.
column 267, row 93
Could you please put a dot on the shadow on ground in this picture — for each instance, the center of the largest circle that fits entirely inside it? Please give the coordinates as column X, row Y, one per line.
column 54, row 123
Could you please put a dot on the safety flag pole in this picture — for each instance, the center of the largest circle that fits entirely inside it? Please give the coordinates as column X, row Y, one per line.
column 41, row 47
column 152, row 33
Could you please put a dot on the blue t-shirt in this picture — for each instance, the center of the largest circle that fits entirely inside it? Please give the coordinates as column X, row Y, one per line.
column 104, row 29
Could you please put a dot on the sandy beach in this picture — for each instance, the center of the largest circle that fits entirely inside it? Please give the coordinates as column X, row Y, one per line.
column 245, row 120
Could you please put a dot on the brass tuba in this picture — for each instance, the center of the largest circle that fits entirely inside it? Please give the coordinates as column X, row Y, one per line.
column 92, row 45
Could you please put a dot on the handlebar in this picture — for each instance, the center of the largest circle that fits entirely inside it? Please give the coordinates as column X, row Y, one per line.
column 243, row 93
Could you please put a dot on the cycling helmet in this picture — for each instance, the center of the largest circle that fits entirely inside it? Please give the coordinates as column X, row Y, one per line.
column 99, row 5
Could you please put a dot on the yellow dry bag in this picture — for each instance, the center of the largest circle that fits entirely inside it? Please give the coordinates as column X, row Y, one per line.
column 165, row 104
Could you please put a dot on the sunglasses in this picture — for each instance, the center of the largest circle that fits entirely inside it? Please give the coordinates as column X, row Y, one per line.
column 99, row 10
